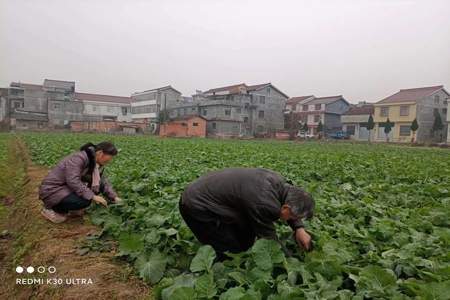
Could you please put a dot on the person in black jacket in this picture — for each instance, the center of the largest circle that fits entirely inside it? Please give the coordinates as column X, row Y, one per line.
column 229, row 208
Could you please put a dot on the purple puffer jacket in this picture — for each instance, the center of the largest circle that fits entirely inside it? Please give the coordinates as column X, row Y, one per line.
column 65, row 178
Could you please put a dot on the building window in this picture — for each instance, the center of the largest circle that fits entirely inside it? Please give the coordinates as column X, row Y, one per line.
column 124, row 111
column 205, row 112
column 195, row 124
column 238, row 110
column 318, row 106
column 193, row 109
column 305, row 107
column 405, row 130
column 56, row 106
column 444, row 111
column 262, row 99
column 404, row 110
column 94, row 108
column 227, row 112
column 316, row 118
column 214, row 125
column 17, row 104
column 260, row 128
column 384, row 111
column 436, row 99
column 183, row 124
column 351, row 129
column 245, row 119
column 268, row 90
column 109, row 109
column 261, row 114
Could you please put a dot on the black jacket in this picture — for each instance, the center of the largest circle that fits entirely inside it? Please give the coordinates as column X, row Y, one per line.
column 252, row 196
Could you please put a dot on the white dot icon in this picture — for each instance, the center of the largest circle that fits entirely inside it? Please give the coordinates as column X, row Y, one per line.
column 19, row 269
column 30, row 269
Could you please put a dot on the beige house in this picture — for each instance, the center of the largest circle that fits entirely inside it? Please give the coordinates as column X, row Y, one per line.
column 406, row 105
column 355, row 121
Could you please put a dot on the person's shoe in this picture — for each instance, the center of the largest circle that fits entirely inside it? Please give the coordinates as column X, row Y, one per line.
column 77, row 213
column 53, row 216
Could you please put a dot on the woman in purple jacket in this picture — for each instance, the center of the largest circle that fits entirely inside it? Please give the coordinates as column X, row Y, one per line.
column 76, row 181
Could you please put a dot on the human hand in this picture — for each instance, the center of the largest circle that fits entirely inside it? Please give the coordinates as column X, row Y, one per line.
column 100, row 200
column 303, row 239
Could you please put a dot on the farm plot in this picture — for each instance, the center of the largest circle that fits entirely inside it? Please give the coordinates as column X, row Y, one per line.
column 381, row 227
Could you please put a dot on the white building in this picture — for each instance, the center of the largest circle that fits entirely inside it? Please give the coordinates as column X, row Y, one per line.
column 148, row 104
column 98, row 107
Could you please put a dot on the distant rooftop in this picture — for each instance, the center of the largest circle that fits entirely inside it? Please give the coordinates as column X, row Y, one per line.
column 411, row 95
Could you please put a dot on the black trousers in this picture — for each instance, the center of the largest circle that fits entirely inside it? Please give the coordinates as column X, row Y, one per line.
column 71, row 202
column 234, row 237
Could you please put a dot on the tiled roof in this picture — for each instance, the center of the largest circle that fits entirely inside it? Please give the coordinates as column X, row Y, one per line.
column 411, row 95
column 297, row 100
column 325, row 100
column 365, row 109
column 159, row 89
column 30, row 86
column 237, row 88
column 102, row 98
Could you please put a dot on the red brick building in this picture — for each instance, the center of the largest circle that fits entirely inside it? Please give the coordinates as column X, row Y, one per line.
column 186, row 126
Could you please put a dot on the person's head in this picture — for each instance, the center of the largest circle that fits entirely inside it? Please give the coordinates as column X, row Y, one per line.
column 104, row 152
column 298, row 204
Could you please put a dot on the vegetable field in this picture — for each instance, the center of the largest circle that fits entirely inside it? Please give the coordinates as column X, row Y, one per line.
column 381, row 225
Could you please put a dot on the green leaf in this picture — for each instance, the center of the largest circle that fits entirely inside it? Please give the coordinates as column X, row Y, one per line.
column 429, row 291
column 203, row 260
column 235, row 293
column 130, row 243
column 375, row 281
column 266, row 253
column 183, row 293
column 185, row 280
column 205, row 286
column 151, row 268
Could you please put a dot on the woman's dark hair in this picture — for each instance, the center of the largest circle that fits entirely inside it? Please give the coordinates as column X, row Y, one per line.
column 106, row 147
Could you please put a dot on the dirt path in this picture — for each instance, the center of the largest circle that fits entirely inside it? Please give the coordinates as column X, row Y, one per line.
column 30, row 240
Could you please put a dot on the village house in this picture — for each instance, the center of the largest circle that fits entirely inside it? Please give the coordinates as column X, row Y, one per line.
column 355, row 121
column 186, row 126
column 55, row 104
column 312, row 110
column 448, row 121
column 105, row 107
column 147, row 106
column 237, row 110
column 423, row 104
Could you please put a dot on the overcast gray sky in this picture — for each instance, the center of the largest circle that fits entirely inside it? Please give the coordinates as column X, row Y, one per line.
column 364, row 49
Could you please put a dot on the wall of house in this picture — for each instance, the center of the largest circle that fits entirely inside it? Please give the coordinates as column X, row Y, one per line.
column 425, row 117
column 184, row 128
column 223, row 128
column 448, row 121
column 337, row 107
column 107, row 109
column 168, row 98
column 273, row 110
column 394, row 117
column 332, row 123
column 61, row 112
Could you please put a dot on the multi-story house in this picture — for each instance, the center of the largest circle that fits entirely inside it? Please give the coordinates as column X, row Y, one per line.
column 355, row 121
column 62, row 105
column 27, row 106
column 55, row 104
column 105, row 107
column 237, row 110
column 147, row 105
column 327, row 110
column 422, row 104
column 448, row 121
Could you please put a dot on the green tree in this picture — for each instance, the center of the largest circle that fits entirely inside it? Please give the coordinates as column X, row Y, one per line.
column 370, row 125
column 414, row 127
column 305, row 129
column 437, row 124
column 387, row 129
column 320, row 129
